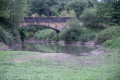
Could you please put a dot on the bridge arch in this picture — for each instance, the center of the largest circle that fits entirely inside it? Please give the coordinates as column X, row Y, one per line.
column 56, row 23
column 55, row 26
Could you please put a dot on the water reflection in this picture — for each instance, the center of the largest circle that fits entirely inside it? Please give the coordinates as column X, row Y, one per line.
column 55, row 48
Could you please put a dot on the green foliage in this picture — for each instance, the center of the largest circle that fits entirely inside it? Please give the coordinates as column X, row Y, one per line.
column 17, row 11
column 64, row 13
column 61, row 6
column 6, row 37
column 11, row 14
column 43, row 7
column 114, row 43
column 27, row 35
column 90, row 19
column 33, row 28
column 107, row 34
column 88, row 36
column 29, row 31
column 79, row 6
column 48, row 34
column 12, row 9
column 73, row 33
column 4, row 7
column 76, row 32
column 109, row 11
column 55, row 7
column 7, row 25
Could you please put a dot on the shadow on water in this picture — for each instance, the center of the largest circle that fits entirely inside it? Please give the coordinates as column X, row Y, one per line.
column 55, row 48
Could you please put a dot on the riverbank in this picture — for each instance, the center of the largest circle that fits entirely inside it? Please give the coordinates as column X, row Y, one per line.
column 76, row 43
column 20, row 65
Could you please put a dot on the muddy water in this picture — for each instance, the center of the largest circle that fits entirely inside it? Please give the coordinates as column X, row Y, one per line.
column 55, row 48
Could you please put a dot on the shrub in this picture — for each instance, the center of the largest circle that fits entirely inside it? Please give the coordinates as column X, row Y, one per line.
column 88, row 36
column 107, row 34
column 74, row 23
column 46, row 34
column 90, row 19
column 73, row 33
column 6, row 37
column 114, row 43
column 11, row 29
column 27, row 35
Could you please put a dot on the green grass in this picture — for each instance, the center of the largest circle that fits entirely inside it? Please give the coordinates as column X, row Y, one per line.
column 43, row 69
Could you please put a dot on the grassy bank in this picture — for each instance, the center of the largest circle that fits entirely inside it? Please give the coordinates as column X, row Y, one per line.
column 51, row 66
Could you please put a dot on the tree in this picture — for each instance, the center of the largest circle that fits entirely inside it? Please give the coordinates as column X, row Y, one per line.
column 90, row 19
column 42, row 7
column 80, row 5
column 17, row 10
column 61, row 6
column 4, row 8
column 109, row 10
column 11, row 14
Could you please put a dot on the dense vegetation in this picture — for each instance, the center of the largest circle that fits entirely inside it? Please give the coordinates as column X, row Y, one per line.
column 46, row 34
column 109, row 10
column 73, row 33
column 108, row 34
column 11, row 13
column 114, row 43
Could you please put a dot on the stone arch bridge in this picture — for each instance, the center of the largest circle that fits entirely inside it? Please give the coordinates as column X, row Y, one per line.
column 56, row 23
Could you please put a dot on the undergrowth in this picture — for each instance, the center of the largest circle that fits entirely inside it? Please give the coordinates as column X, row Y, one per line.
column 114, row 43
column 108, row 34
column 48, row 34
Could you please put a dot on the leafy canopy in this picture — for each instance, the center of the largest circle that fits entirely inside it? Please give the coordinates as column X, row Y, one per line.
column 43, row 7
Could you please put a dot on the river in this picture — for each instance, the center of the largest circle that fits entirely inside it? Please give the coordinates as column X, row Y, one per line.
column 55, row 48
